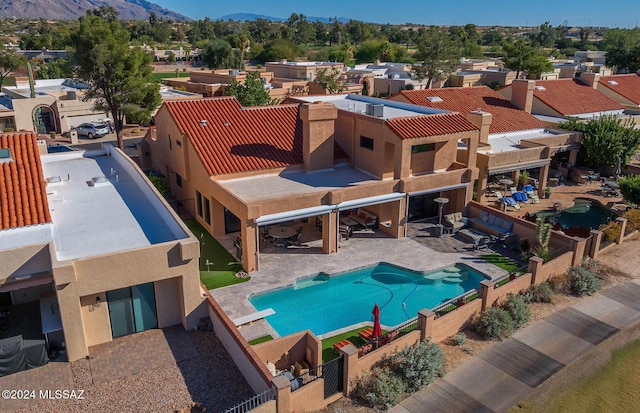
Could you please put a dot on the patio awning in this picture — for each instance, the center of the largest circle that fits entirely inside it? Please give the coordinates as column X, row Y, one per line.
column 440, row 189
column 372, row 200
column 519, row 166
column 294, row 214
column 27, row 282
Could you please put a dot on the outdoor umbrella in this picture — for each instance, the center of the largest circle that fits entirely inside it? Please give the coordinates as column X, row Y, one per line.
column 377, row 329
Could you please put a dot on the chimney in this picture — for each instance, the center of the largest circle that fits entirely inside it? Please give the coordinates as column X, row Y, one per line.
column 318, row 131
column 522, row 94
column 590, row 79
column 482, row 120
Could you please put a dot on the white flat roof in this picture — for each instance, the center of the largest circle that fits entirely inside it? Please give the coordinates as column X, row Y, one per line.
column 505, row 142
column 285, row 184
column 99, row 206
column 358, row 104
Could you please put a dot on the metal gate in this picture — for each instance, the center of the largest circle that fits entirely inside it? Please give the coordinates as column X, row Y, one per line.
column 332, row 373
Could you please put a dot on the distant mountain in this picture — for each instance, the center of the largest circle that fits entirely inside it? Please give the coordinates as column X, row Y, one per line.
column 72, row 9
column 241, row 17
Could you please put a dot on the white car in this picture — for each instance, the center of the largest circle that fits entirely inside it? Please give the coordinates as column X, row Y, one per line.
column 91, row 130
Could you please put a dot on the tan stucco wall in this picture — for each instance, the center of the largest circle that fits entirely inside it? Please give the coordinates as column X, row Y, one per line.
column 615, row 96
column 168, row 295
column 25, row 260
column 97, row 326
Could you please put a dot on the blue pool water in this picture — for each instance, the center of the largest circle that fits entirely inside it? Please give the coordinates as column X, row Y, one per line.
column 58, row 149
column 585, row 212
column 323, row 304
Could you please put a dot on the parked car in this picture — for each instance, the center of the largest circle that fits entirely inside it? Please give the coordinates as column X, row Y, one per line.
column 91, row 130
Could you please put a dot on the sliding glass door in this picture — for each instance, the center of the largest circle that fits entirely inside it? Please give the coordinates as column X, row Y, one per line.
column 132, row 309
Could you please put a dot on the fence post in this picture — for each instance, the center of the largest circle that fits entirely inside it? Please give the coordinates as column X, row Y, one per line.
column 426, row 319
column 623, row 226
column 595, row 243
column 350, row 367
column 577, row 246
column 535, row 265
column 283, row 394
column 486, row 292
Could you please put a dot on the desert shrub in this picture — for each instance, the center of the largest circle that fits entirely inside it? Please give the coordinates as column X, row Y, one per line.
column 633, row 219
column 517, row 309
column 583, row 281
column 538, row 293
column 460, row 339
column 159, row 183
column 381, row 388
column 610, row 231
column 418, row 365
column 496, row 322
column 560, row 283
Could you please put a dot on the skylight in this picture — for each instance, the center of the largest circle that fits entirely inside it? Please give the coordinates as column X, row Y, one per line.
column 612, row 82
column 434, row 99
column 540, row 88
column 5, row 155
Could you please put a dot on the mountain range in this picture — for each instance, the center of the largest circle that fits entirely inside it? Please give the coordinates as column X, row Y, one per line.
column 72, row 9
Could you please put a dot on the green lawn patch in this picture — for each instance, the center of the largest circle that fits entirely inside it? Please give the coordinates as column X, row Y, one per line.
column 222, row 266
column 612, row 388
column 260, row 340
column 8, row 81
column 502, row 262
column 327, row 344
column 157, row 76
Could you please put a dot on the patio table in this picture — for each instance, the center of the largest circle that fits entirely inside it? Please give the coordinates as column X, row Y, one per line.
column 282, row 232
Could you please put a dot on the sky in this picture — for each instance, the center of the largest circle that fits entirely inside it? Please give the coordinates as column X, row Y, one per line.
column 621, row 13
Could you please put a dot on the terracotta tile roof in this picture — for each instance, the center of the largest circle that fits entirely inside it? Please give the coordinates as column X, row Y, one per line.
column 237, row 139
column 23, row 197
column 627, row 86
column 506, row 117
column 572, row 97
column 430, row 125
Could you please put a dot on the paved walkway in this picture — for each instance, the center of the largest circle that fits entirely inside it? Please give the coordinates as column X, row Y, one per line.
column 498, row 378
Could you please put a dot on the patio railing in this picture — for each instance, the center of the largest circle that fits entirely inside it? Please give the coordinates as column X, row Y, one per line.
column 254, row 402
column 456, row 302
column 399, row 330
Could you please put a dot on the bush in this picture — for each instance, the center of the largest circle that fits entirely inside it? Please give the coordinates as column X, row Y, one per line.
column 518, row 309
column 583, row 281
column 610, row 231
column 381, row 388
column 418, row 365
column 633, row 219
column 538, row 293
column 630, row 188
column 496, row 322
column 159, row 183
column 460, row 339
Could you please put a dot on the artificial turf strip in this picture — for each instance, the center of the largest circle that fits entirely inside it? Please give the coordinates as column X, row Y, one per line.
column 222, row 265
column 501, row 262
column 329, row 354
column 612, row 388
column 259, row 340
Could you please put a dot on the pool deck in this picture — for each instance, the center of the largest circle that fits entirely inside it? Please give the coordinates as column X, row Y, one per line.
column 279, row 270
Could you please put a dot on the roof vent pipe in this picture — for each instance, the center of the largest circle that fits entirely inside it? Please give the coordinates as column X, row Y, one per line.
column 203, row 122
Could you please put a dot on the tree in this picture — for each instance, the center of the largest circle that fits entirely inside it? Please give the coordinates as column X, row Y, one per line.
column 279, row 49
column 119, row 76
column 57, row 69
column 438, row 56
column 605, row 140
column 10, row 60
column 521, row 56
column 216, row 54
column 251, row 92
column 623, row 49
column 329, row 79
column 630, row 188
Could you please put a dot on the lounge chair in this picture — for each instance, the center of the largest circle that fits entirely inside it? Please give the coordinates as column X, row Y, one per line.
column 337, row 346
column 520, row 197
column 499, row 195
column 482, row 243
column 366, row 334
column 513, row 190
column 511, row 203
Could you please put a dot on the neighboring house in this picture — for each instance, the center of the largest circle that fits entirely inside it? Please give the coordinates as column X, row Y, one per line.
column 624, row 89
column 56, row 107
column 390, row 78
column 511, row 140
column 88, row 243
column 240, row 169
column 554, row 101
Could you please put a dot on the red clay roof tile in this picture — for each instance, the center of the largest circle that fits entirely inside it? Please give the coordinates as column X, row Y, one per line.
column 627, row 86
column 572, row 97
column 236, row 139
column 430, row 125
column 23, row 199
column 506, row 117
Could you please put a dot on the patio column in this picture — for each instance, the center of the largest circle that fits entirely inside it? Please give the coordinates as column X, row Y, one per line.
column 542, row 180
column 515, row 177
column 249, row 246
column 573, row 156
column 350, row 368
column 398, row 218
column 283, row 395
column 217, row 217
column 330, row 233
column 535, row 265
column 578, row 245
column 71, row 315
column 483, row 179
column 426, row 318
column 595, row 243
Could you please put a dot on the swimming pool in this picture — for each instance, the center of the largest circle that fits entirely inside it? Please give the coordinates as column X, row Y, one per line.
column 323, row 304
column 585, row 213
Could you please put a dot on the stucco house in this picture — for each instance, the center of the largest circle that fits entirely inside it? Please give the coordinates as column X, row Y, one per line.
column 241, row 169
column 624, row 89
column 89, row 248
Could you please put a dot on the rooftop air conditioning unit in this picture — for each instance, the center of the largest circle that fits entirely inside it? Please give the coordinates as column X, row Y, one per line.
column 376, row 110
column 234, row 72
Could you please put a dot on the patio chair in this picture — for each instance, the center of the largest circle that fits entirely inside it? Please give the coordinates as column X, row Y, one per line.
column 534, row 198
column 294, row 240
column 483, row 243
column 528, row 189
column 499, row 195
column 511, row 203
column 514, row 190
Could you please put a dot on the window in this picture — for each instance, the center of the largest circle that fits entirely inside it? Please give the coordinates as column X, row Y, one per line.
column 425, row 147
column 199, row 203
column 179, row 180
column 170, row 148
column 178, row 143
column 207, row 212
column 366, row 143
